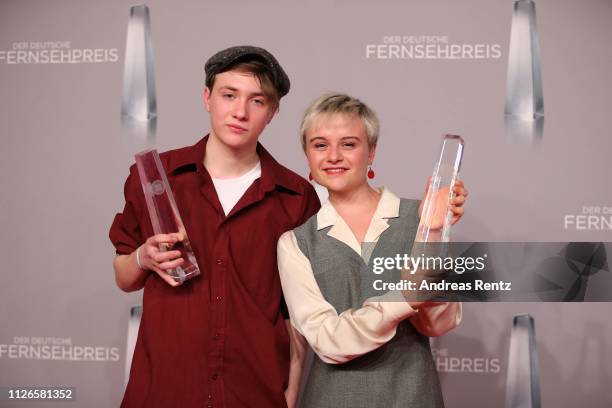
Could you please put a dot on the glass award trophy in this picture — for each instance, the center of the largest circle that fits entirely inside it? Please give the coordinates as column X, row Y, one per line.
column 139, row 101
column 132, row 335
column 524, row 98
column 523, row 381
column 164, row 213
column 436, row 215
column 433, row 232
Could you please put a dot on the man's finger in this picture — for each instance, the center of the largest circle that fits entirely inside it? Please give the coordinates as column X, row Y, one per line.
column 164, row 275
column 171, row 264
column 166, row 256
column 165, row 238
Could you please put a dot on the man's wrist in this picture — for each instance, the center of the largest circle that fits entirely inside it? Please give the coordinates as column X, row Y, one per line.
column 138, row 259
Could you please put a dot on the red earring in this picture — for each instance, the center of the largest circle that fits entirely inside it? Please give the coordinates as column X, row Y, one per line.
column 371, row 173
column 310, row 176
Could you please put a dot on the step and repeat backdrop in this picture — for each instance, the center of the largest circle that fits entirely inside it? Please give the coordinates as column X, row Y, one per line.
column 527, row 85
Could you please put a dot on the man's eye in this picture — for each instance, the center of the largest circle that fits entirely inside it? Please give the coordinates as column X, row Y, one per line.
column 259, row 102
column 228, row 96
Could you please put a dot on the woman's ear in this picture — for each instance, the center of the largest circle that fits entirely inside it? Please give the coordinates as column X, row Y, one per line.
column 371, row 154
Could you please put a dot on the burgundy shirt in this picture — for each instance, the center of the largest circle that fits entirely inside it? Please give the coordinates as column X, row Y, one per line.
column 218, row 340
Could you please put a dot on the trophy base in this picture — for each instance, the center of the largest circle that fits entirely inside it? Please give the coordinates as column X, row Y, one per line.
column 181, row 275
column 190, row 267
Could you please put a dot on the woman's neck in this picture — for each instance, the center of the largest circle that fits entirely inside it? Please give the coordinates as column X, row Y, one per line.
column 356, row 208
column 364, row 196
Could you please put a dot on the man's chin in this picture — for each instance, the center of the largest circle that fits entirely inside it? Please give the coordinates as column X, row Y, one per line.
column 238, row 142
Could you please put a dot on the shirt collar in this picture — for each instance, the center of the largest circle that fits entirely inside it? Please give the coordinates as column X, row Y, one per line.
column 388, row 207
column 272, row 173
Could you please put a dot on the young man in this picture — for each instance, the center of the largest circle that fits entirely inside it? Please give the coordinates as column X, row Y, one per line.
column 219, row 340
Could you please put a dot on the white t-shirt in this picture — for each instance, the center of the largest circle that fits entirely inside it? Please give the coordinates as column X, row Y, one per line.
column 230, row 191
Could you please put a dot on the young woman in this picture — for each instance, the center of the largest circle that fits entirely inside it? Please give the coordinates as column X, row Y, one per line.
column 370, row 352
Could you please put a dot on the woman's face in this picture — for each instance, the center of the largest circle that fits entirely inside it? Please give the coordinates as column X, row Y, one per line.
column 338, row 152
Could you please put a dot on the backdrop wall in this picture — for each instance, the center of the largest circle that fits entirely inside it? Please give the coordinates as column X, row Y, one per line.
column 65, row 157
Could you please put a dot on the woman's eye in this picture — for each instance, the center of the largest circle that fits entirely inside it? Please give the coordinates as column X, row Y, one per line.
column 350, row 145
column 320, row 146
column 259, row 102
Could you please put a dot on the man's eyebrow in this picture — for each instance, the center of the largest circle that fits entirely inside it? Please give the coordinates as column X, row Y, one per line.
column 231, row 88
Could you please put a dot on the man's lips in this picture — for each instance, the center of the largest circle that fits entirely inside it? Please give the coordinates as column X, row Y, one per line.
column 236, row 128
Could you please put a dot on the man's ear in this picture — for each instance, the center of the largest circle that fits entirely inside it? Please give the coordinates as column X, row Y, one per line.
column 271, row 114
column 207, row 99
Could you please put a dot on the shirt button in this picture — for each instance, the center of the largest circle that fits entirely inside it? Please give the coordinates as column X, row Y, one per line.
column 209, row 405
column 216, row 336
column 209, row 396
column 215, row 376
column 219, row 261
column 219, row 298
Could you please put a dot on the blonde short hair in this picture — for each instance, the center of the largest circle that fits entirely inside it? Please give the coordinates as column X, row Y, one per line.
column 338, row 103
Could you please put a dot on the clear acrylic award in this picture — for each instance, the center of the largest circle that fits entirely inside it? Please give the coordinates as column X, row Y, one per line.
column 523, row 380
column 436, row 215
column 524, row 97
column 433, row 232
column 164, row 213
column 139, row 100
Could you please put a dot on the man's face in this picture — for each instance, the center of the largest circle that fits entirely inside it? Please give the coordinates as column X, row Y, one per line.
column 338, row 153
column 239, row 111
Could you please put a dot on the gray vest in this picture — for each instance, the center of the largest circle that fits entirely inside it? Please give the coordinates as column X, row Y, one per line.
column 401, row 373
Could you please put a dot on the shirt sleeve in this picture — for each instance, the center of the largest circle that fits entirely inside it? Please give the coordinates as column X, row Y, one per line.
column 125, row 232
column 437, row 319
column 335, row 338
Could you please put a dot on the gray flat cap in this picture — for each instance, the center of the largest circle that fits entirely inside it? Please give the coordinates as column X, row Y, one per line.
column 233, row 55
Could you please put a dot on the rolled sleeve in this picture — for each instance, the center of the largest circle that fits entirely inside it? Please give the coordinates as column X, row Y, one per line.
column 125, row 232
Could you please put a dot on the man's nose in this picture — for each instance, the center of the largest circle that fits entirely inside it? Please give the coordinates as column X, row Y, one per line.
column 241, row 109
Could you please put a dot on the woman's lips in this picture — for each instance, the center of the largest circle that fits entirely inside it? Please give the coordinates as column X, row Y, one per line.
column 335, row 170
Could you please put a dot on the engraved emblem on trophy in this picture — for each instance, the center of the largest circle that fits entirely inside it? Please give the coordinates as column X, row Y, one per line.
column 163, row 212
column 524, row 108
column 139, row 103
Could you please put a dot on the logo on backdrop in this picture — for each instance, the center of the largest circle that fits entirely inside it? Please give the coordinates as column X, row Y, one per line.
column 591, row 218
column 446, row 363
column 418, row 47
column 55, row 52
column 55, row 348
